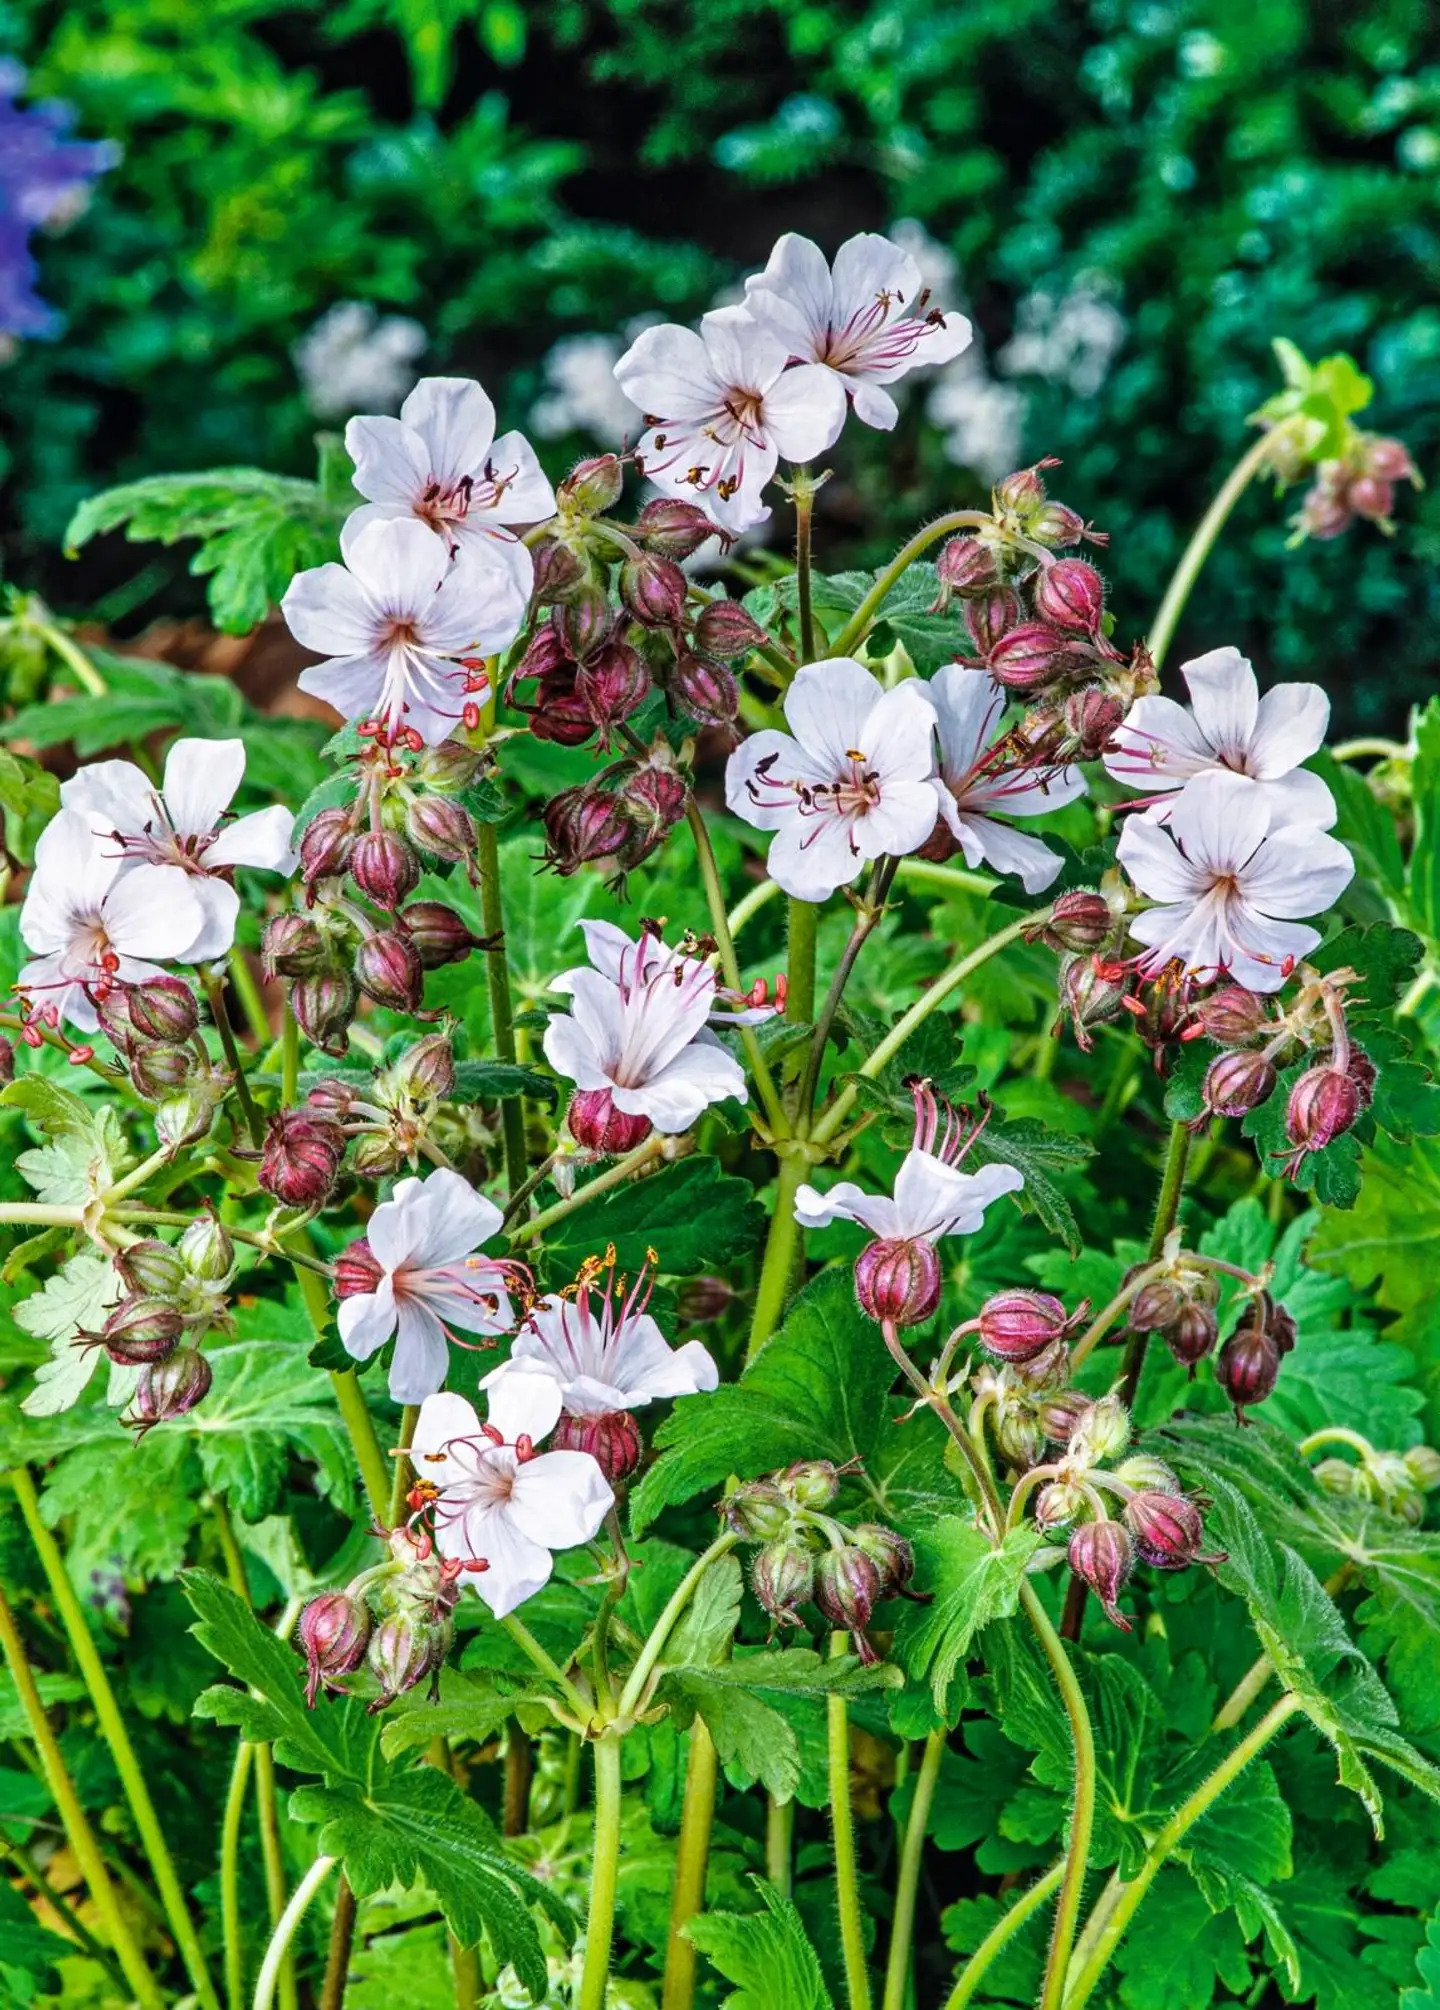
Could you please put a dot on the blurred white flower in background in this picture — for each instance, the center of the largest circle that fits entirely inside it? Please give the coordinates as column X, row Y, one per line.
column 580, row 394
column 1068, row 338
column 983, row 420
column 356, row 360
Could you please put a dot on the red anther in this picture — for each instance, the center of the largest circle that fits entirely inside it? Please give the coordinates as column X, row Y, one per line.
column 368, row 728
column 110, row 961
column 524, row 1447
column 1111, row 972
column 80, row 1055
column 470, row 717
column 32, row 1035
column 1287, row 968
column 422, row 1495
column 1194, row 1031
column 1133, row 1005
column 412, row 740
column 489, row 1431
column 476, row 1563
column 50, row 1014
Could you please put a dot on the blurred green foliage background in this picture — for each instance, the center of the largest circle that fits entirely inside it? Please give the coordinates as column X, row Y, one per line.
column 1129, row 199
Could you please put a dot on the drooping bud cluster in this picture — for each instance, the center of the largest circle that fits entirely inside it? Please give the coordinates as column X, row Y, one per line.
column 617, row 818
column 393, row 1621
column 1395, row 1482
column 807, row 1557
column 1248, row 1365
column 173, row 1294
column 1360, row 484
column 155, row 1028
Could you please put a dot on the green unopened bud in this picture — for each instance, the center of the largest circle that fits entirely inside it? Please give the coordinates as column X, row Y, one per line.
column 1147, row 1475
column 1338, row 1476
column 1057, row 1505
column 207, row 1251
column 782, row 1577
column 426, row 1071
column 1423, row 1464
column 1020, row 1435
column 151, row 1269
column 1103, row 1432
column 810, row 1483
column 758, row 1512
column 891, row 1555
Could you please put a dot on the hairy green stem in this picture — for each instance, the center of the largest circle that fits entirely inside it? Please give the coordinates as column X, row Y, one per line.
column 730, row 967
column 779, row 1843
column 350, row 1400
column 285, row 1932
column 502, row 1011
column 842, row 1832
column 1167, row 1212
column 400, row 1485
column 267, row 1812
column 550, row 1668
column 231, row 1927
column 342, row 1939
column 112, row 1726
column 907, row 1886
column 73, row 1818
column 692, row 1859
column 1193, row 558
column 1000, row 1936
column 616, row 1175
column 214, row 987
column 634, row 1690
column 871, row 911
column 803, row 489
column 86, row 675
column 861, row 620
column 252, row 1003
column 802, row 924
column 777, row 1266
column 604, row 1876
column 289, row 1058
column 1082, row 1813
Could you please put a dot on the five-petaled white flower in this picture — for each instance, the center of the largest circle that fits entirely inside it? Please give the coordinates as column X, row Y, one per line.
column 637, row 1029
column 853, row 783
column 721, row 409
column 94, row 923
column 932, row 1196
column 976, row 787
column 1229, row 728
column 868, row 318
column 501, row 1505
column 183, row 824
column 394, row 618
column 441, row 462
column 424, row 1240
column 1232, row 878
column 604, row 1350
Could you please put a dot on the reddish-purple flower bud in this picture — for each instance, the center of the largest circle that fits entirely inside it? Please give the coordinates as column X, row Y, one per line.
column 158, row 1072
column 138, row 1330
column 1091, row 992
column 1372, row 498
column 558, row 573
column 1071, row 594
column 151, row 1268
column 612, row 683
column 704, row 689
column 701, row 1300
column 655, row 796
column 1157, row 1305
column 592, row 485
column 612, row 1440
column 163, row 1009
column 1248, row 1366
column 1234, row 1016
column 1102, row 1556
column 673, row 528
column 334, row 1632
column 389, row 970
column 1324, row 1103
column 169, row 1388
column 442, row 827
column 355, row 1271
column 898, row 1279
column 584, row 623
column 1062, row 1414
column 964, row 566
column 594, row 1122
column 724, row 629
column 847, row 1587
column 384, row 867
column 1323, row 514
column 990, row 615
column 653, row 590
column 426, row 1071
column 1168, row 1531
column 324, row 1005
column 583, row 824
column 782, row 1577
column 891, row 1555
column 1056, row 525
column 1193, row 1335
column 438, row 933
column 300, row 1160
column 1091, row 717
column 1022, row 493
column 294, row 945
column 559, row 714
column 1388, row 460
column 1032, row 655
column 1079, row 921
column 325, row 844
column 112, row 1009
column 1018, row 1325
column 1237, row 1082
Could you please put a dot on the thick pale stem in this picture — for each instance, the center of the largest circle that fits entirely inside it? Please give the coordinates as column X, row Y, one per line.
column 231, row 1927
column 1000, row 1936
column 730, row 967
column 604, row 1876
column 660, row 1632
column 804, row 492
column 86, row 674
column 404, row 1471
column 550, row 1668
column 342, row 1939
column 691, row 1862
column 502, row 1011
column 842, row 1830
column 1167, row 1212
column 285, row 1932
column 1193, row 558
column 907, row 1885
column 777, row 1266
column 779, row 1843
column 860, row 622
column 803, row 917
column 267, row 1809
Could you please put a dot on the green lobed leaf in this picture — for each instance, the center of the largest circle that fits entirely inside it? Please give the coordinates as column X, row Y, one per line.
column 1426, row 1994
column 688, row 1213
column 969, row 1583
column 766, row 1956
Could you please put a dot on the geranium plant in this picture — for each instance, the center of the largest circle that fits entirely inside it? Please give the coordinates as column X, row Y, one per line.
column 704, row 1243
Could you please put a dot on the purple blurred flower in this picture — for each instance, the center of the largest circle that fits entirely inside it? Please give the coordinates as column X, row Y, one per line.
column 44, row 184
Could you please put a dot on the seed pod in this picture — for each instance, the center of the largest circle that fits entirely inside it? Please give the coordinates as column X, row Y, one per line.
column 1071, row 594
column 1102, row 1556
column 612, row 1440
column 703, row 688
column 1057, row 1504
column 334, row 1632
column 157, row 1072
column 583, row 824
column 376, row 1154
column 188, row 1115
column 898, row 1279
column 1091, row 719
column 584, row 623
column 989, row 617
column 1193, row 1335
column 811, row 1483
column 1237, row 1082
column 782, row 1576
column 758, row 1512
column 450, row 767
column 163, row 1009
column 654, row 798
column 1019, row 1325
column 300, row 1160
column 355, row 1271
column 324, row 1005
column 724, row 629
column 326, row 843
column 437, row 933
column 594, row 1122
column 592, row 486
column 294, row 945
column 1248, row 1367
column 612, row 683
column 332, row 1098
column 1020, row 1435
column 1168, row 1531
column 138, row 1330
column 1021, row 493
column 169, row 1388
column 150, row 1268
column 891, row 1555
column 441, row 827
column 847, row 1587
column 207, row 1251
column 1234, row 1016
column 384, row 867
column 1324, row 1103
column 1056, row 525
column 1080, row 921
column 964, row 566
column 675, row 529
column 653, row 590
column 389, row 970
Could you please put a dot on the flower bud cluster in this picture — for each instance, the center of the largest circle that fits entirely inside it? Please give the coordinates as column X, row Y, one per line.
column 617, row 818
column 1395, row 1482
column 394, row 1621
column 172, row 1295
column 806, row 1557
column 1359, row 484
column 155, row 1028
column 389, row 1122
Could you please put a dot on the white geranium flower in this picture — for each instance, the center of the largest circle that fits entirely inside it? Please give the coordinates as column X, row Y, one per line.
column 441, row 462
column 606, row 1358
column 500, row 1504
column 1229, row 728
column 932, row 1196
column 853, row 783
column 867, row 319
column 183, row 824
column 1232, row 877
column 636, row 1028
column 977, row 788
column 424, row 1240
column 394, row 619
column 92, row 923
column 721, row 409
column 617, row 955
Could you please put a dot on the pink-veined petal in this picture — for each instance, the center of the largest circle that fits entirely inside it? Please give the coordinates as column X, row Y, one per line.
column 1290, row 726
column 560, row 1499
column 1225, row 699
column 422, row 1353
column 455, row 421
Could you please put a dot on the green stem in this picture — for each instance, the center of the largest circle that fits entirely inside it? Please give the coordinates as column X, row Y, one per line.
column 907, row 1887
column 231, row 1929
column 802, row 925
column 750, row 904
column 252, row 1003
column 268, row 1815
column 874, row 1064
column 1082, row 1814
column 214, row 987
column 692, row 1859
column 868, row 918
column 1102, row 1322
column 1167, row 1211
column 289, row 1059
column 804, row 494
column 604, row 1876
column 285, row 1932
column 502, row 1012
column 1198, row 550
column 78, row 1831
column 400, row 1486
column 1336, row 1434
column 660, row 1632
column 779, row 1843
column 1127, row 1897
column 112, row 1725
column 550, row 1668
column 860, row 621
column 355, row 1414
column 842, row 1829
column 1000, row 1935
column 653, row 1148
column 86, row 675
column 730, row 966
column 40, row 1214
column 342, row 1939
column 781, row 1242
